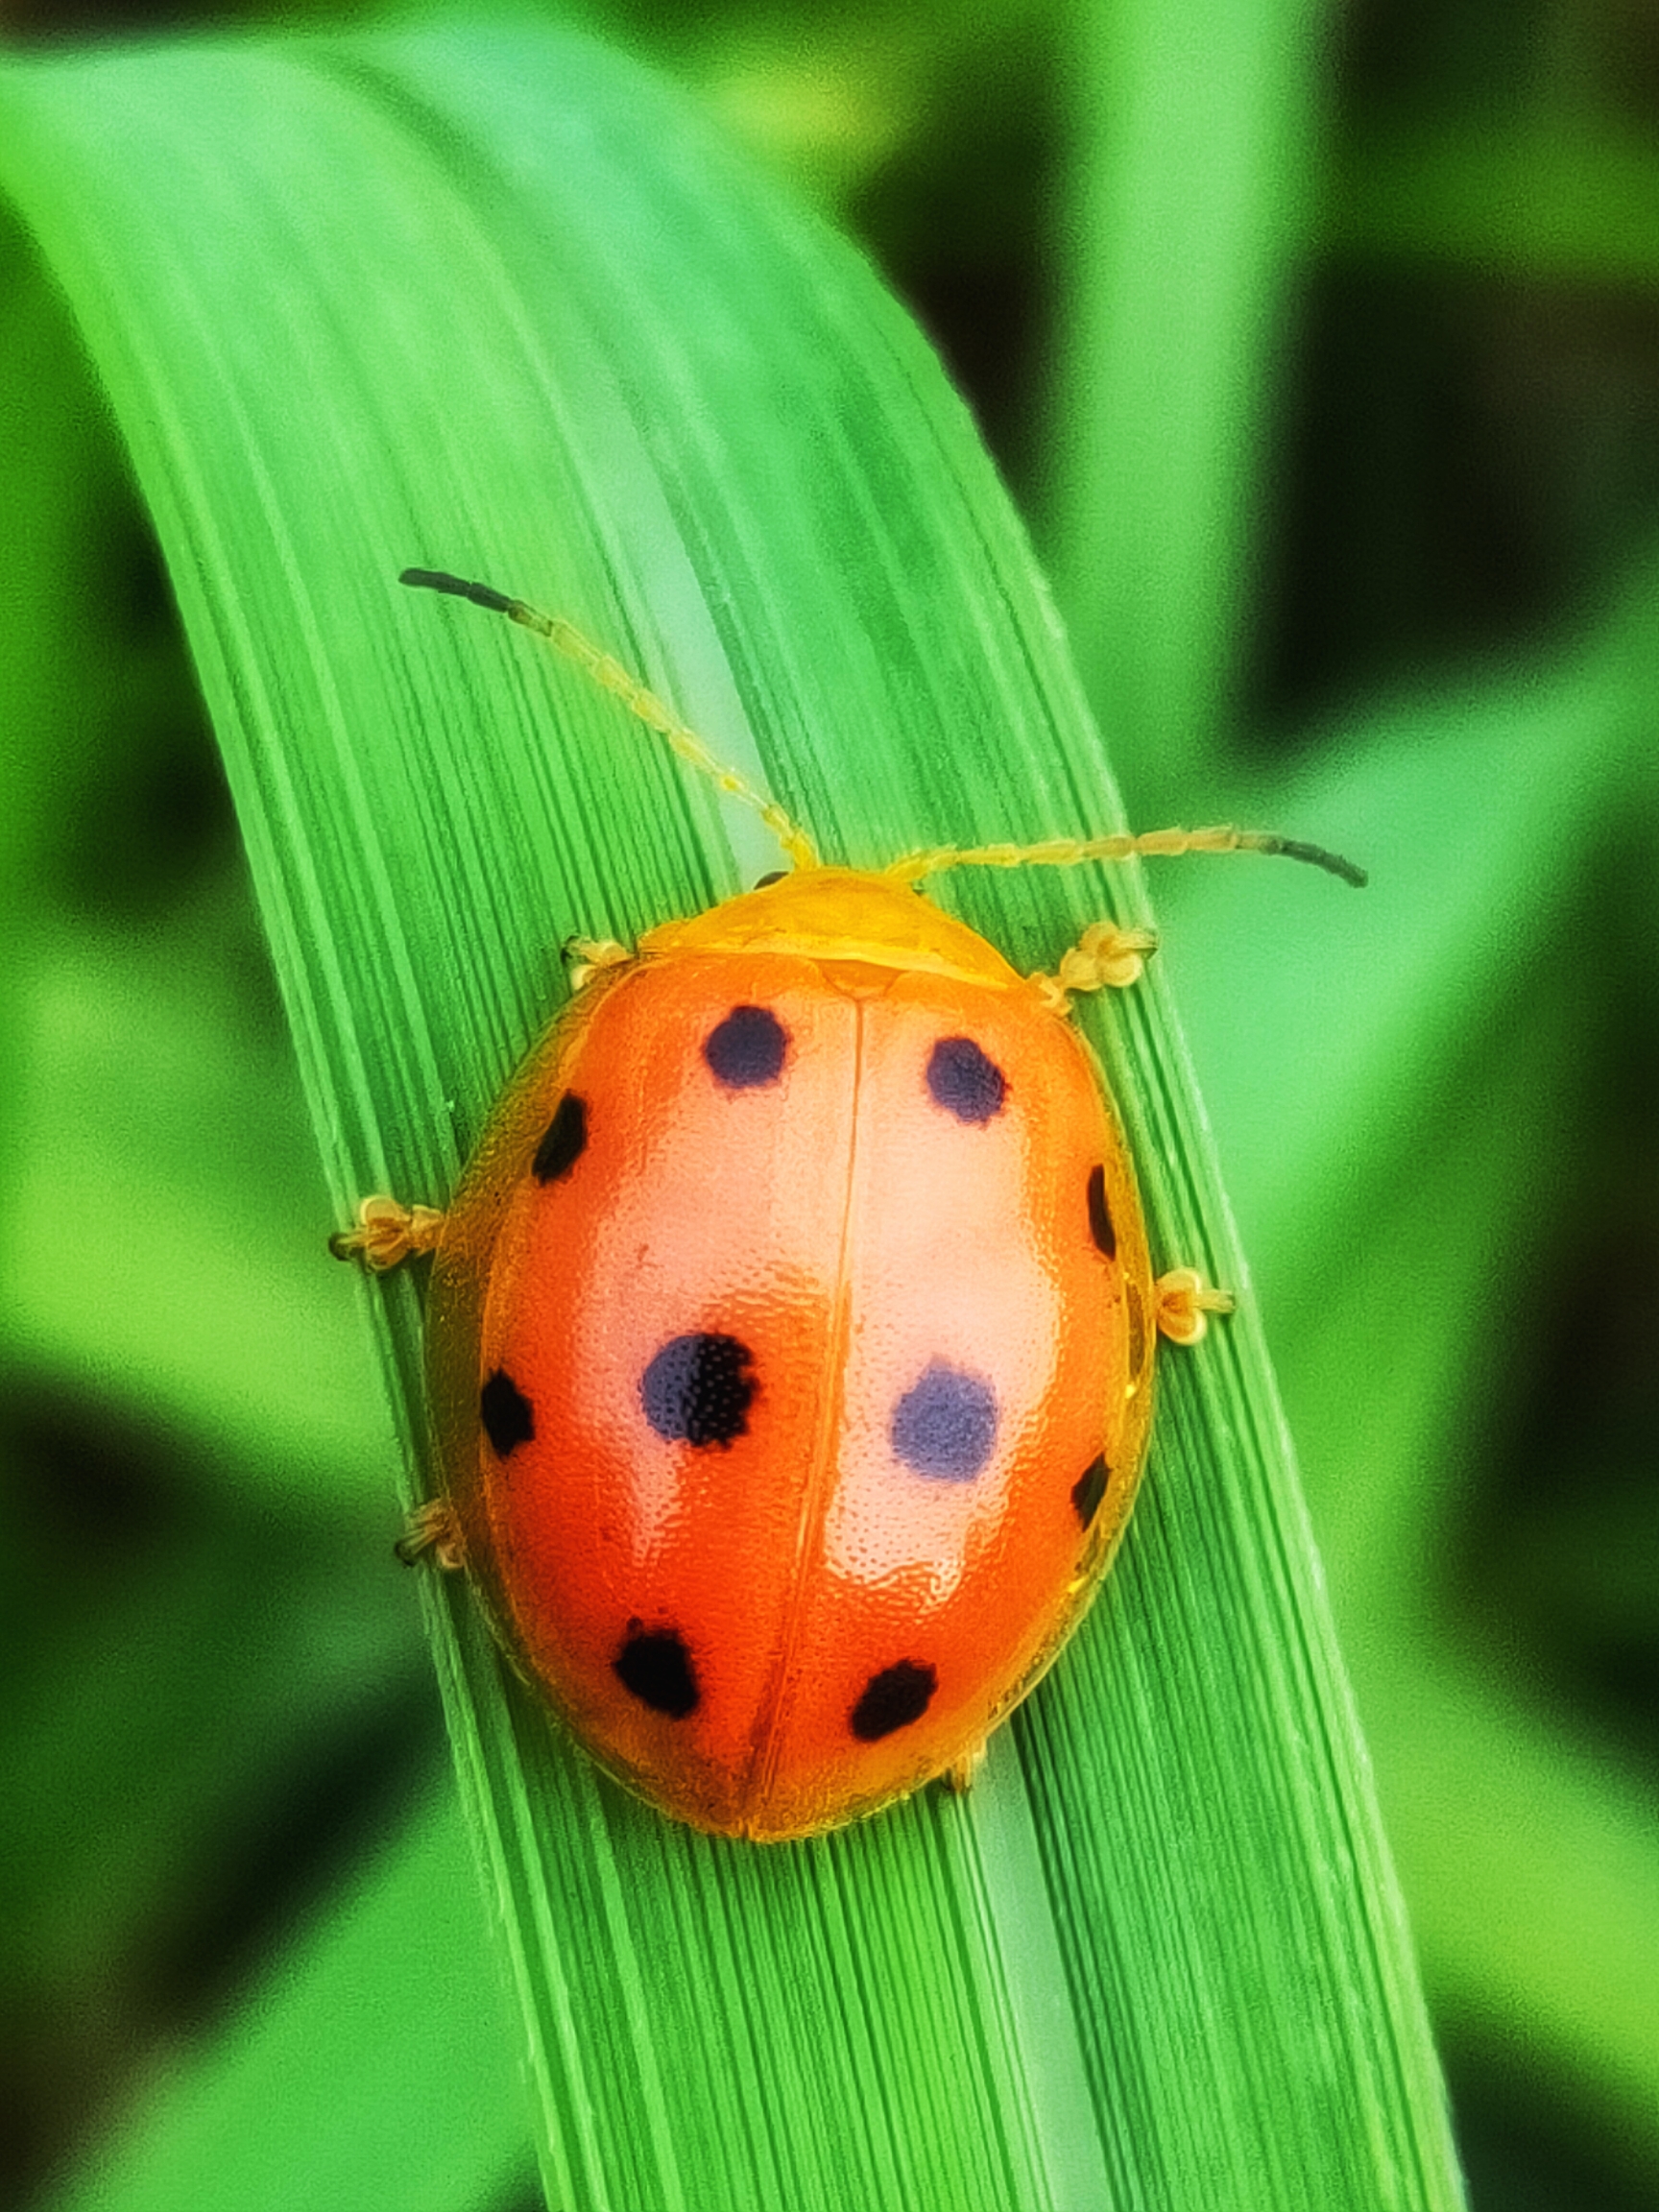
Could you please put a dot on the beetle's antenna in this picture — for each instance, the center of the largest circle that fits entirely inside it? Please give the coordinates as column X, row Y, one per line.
column 1068, row 852
column 611, row 676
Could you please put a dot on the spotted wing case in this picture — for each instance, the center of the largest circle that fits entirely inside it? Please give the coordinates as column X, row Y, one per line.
column 790, row 1355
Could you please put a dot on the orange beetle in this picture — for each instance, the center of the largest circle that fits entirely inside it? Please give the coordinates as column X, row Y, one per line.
column 790, row 1335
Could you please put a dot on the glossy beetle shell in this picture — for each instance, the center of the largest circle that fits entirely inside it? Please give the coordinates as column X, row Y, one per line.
column 790, row 1346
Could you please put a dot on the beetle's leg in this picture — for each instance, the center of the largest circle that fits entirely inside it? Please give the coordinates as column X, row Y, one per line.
column 1183, row 1302
column 387, row 1233
column 585, row 956
column 432, row 1528
column 959, row 1777
column 1105, row 958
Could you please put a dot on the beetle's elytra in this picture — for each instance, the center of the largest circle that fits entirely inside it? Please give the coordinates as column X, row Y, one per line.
column 791, row 1335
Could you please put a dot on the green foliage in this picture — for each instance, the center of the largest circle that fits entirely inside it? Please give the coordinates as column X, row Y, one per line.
column 490, row 299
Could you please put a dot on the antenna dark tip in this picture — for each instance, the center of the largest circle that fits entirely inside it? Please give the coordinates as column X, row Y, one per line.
column 1316, row 856
column 440, row 580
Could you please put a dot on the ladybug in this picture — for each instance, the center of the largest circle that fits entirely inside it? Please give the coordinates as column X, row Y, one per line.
column 790, row 1336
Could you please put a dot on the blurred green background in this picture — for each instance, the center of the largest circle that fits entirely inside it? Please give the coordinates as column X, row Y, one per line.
column 1322, row 349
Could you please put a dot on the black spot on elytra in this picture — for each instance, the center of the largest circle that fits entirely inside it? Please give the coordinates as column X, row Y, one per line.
column 746, row 1049
column 507, row 1420
column 945, row 1423
column 656, row 1666
column 893, row 1698
column 773, row 876
column 1089, row 1489
column 697, row 1390
column 564, row 1142
column 1100, row 1215
column 964, row 1081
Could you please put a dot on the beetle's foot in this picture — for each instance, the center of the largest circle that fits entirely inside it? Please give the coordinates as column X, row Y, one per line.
column 387, row 1233
column 959, row 1777
column 585, row 956
column 1105, row 958
column 1184, row 1302
column 432, row 1528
